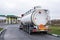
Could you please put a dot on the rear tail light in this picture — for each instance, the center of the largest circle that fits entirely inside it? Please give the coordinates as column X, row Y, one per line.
column 34, row 30
column 46, row 26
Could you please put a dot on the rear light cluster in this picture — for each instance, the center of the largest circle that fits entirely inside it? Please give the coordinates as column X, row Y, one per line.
column 46, row 25
column 34, row 30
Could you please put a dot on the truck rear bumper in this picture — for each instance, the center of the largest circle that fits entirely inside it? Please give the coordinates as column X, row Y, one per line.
column 36, row 30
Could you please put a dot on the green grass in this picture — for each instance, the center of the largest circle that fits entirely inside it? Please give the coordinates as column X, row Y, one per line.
column 1, row 29
column 55, row 29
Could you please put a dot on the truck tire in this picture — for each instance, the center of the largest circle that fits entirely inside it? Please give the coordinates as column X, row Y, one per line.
column 21, row 27
column 30, row 32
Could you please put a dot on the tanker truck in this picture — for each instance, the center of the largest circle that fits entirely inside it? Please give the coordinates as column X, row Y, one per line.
column 35, row 20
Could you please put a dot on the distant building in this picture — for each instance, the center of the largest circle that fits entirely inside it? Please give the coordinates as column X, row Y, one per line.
column 9, row 19
column 2, row 19
column 55, row 22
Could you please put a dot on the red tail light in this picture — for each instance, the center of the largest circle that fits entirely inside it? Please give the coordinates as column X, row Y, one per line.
column 34, row 30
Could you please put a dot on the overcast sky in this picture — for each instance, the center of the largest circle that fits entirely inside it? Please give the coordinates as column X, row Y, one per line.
column 16, row 7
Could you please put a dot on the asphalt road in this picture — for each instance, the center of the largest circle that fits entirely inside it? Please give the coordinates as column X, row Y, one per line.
column 13, row 33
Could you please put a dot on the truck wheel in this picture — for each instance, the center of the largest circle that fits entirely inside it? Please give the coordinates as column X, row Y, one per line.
column 30, row 32
column 21, row 27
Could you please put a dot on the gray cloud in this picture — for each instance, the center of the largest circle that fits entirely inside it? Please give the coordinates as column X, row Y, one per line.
column 16, row 7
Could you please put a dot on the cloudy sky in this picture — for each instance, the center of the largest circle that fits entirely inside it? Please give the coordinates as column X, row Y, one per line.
column 17, row 7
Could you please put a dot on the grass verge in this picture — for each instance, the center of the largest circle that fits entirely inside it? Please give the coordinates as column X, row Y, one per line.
column 54, row 29
column 1, row 29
